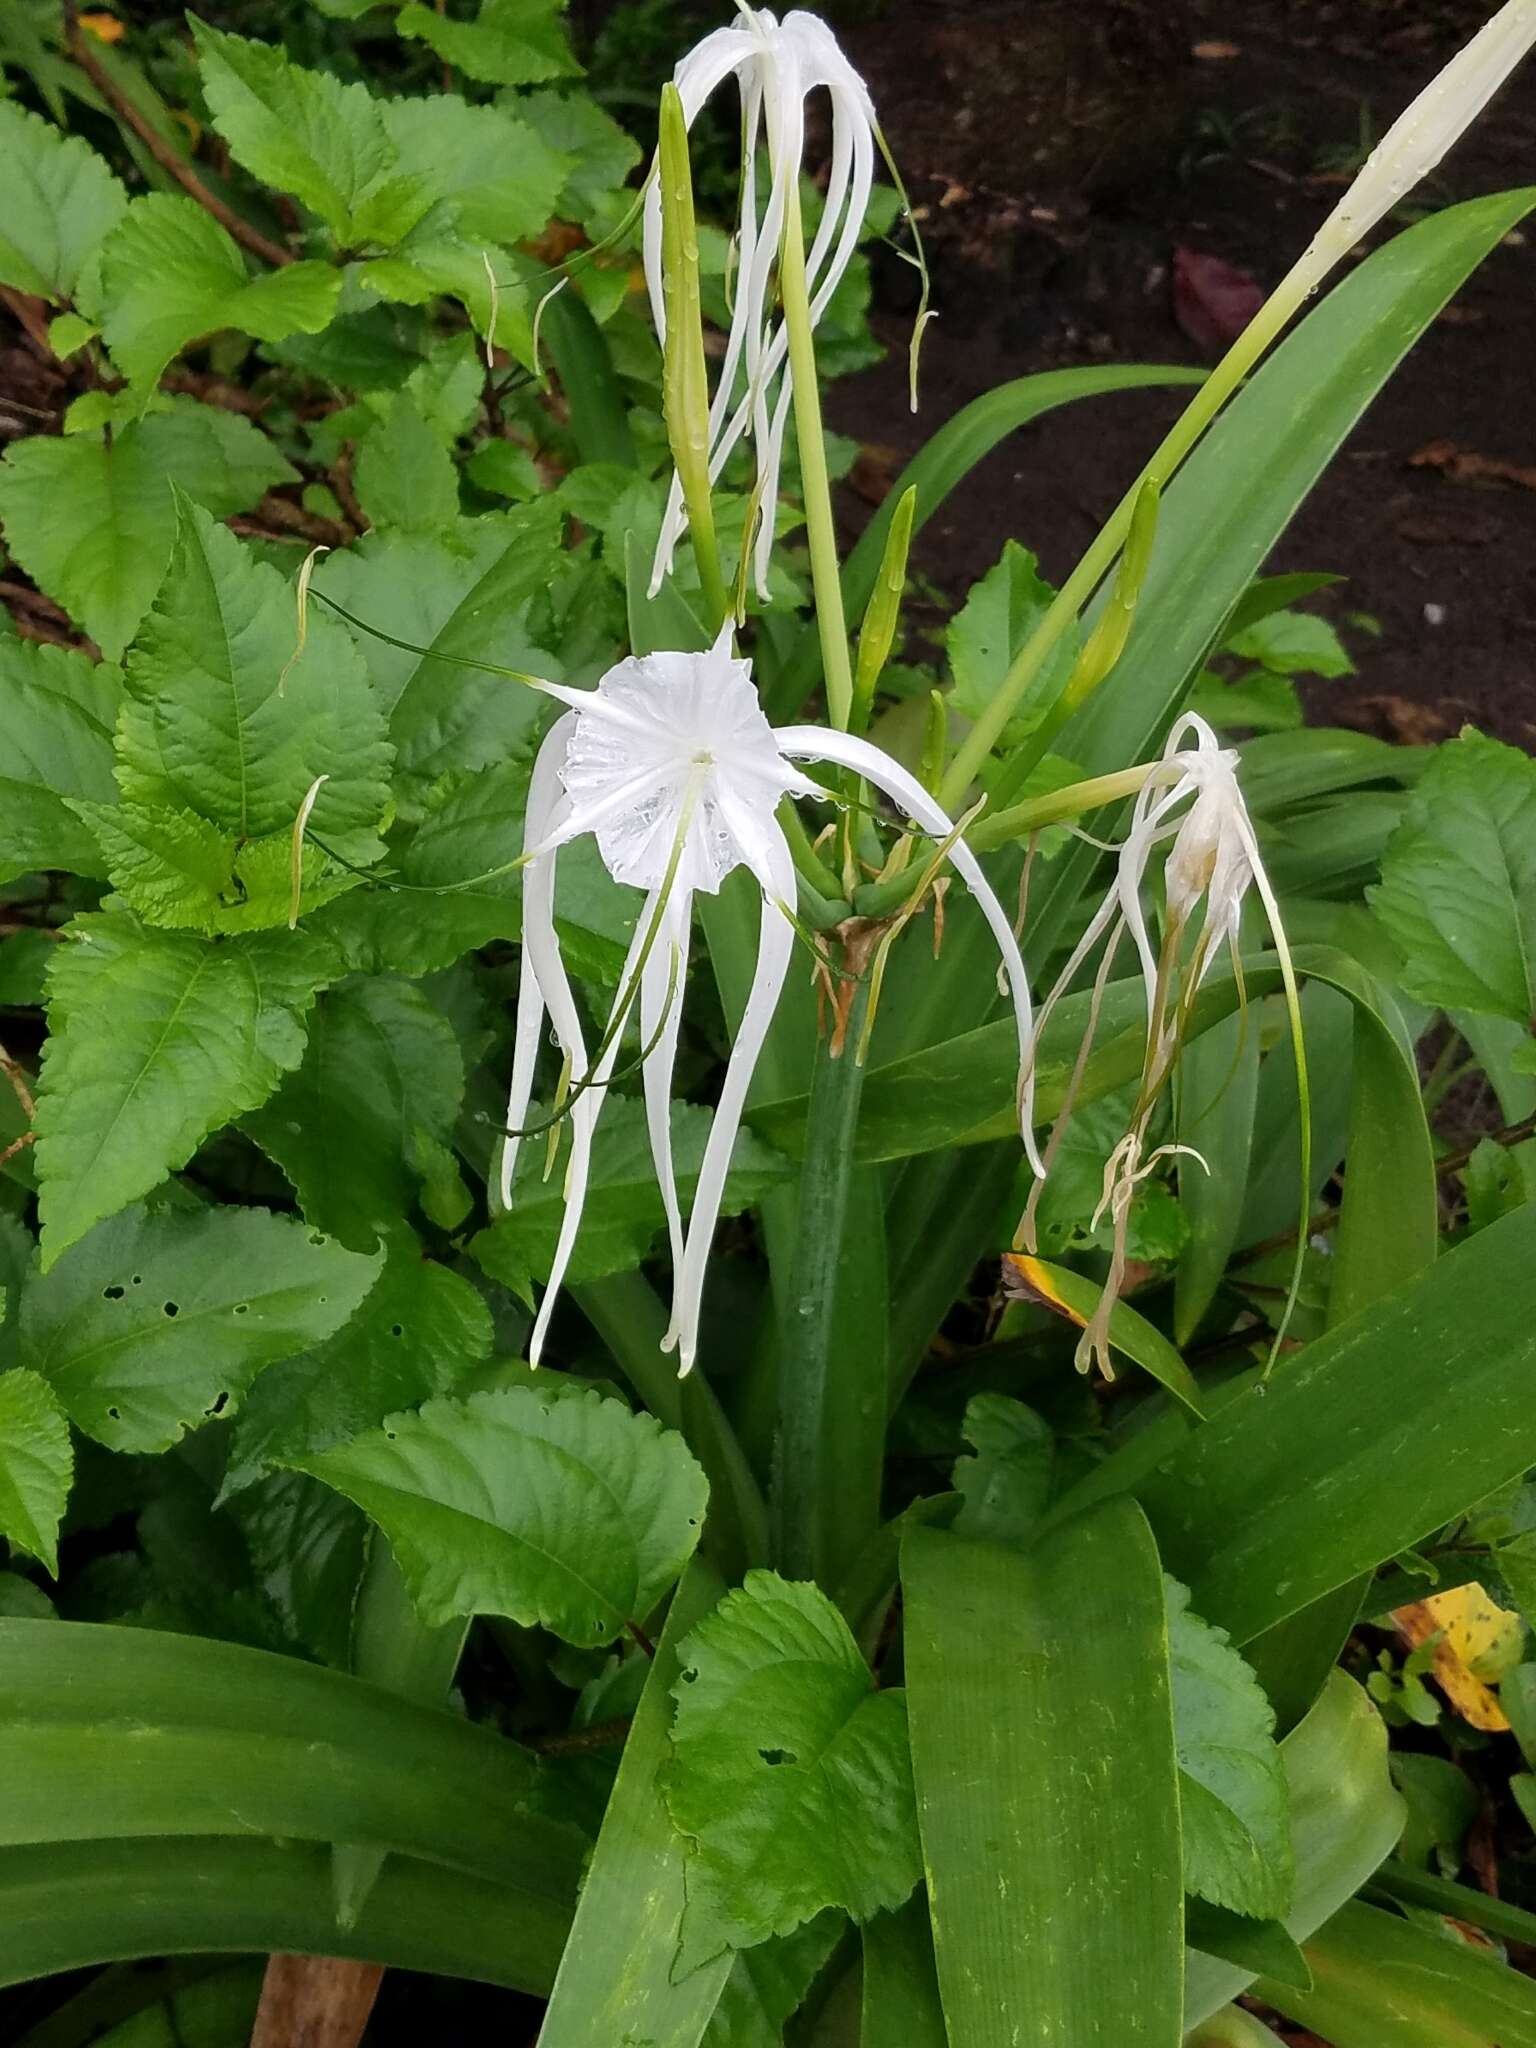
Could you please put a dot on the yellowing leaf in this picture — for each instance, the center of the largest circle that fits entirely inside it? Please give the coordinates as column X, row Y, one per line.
column 1478, row 1642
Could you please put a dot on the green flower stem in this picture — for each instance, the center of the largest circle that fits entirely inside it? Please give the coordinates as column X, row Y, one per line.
column 1265, row 327
column 826, row 578
column 625, row 1312
column 832, row 1355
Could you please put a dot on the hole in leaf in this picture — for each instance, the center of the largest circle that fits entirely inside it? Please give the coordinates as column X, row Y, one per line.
column 317, row 1237
column 138, row 1279
column 778, row 1756
column 219, row 1405
column 172, row 1308
column 113, row 1293
column 116, row 1414
column 241, row 1308
column 690, row 1677
column 397, row 1329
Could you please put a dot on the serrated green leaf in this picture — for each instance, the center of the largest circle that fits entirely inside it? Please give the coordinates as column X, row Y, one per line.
column 57, row 710
column 60, row 200
column 992, row 625
column 405, row 477
column 570, row 1512
column 179, row 871
column 623, row 1209
column 468, row 593
column 790, row 1773
column 1005, row 1486
column 307, row 1547
column 420, row 1329
column 382, row 1062
column 435, row 259
column 510, row 42
column 170, row 274
column 212, row 723
column 1458, row 881
column 1232, row 1796
column 502, row 175
column 156, row 1039
column 36, row 1464
column 161, row 1318
column 94, row 525
column 601, row 153
column 308, row 134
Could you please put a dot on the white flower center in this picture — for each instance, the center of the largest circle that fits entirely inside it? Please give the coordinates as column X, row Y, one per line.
column 674, row 748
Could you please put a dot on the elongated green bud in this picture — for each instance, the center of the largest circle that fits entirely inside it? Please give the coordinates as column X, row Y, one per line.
column 685, row 380
column 1106, row 643
column 877, row 634
column 935, row 742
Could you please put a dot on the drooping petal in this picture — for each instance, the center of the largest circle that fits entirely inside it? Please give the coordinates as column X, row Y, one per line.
column 584, row 1113
column 776, row 875
column 661, row 1015
column 813, row 743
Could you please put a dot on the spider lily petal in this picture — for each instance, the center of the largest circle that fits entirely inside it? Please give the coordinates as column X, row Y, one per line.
column 670, row 764
column 777, row 65
column 813, row 743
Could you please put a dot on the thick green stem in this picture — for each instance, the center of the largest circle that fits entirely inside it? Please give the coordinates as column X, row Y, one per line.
column 1273, row 316
column 816, row 488
column 832, row 1362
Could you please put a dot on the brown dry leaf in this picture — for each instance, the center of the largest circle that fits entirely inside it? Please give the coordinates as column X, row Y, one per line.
column 1213, row 301
column 1215, row 52
column 874, row 470
column 1025, row 1279
column 1464, row 466
column 1478, row 1639
column 106, row 28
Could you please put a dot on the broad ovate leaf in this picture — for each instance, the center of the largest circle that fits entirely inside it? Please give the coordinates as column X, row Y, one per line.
column 60, row 200
column 501, row 174
column 36, row 1465
column 155, row 1039
column 220, row 720
column 1005, row 1485
column 568, row 1512
column 1458, row 881
column 1232, row 1790
column 992, row 626
column 790, row 1777
column 382, row 1066
column 420, row 1329
column 57, row 711
column 170, row 274
column 93, row 524
column 307, row 133
column 510, row 42
column 163, row 1317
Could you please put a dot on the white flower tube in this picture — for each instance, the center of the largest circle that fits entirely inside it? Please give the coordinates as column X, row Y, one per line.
column 671, row 766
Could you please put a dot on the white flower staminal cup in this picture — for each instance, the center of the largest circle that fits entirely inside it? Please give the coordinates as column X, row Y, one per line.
column 671, row 766
column 777, row 65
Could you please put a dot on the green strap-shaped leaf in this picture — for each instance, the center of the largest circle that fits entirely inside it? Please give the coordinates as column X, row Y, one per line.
column 567, row 1512
column 1043, row 1750
column 1217, row 1081
column 1385, row 1982
column 1240, row 488
column 67, row 1905
column 1351, row 1452
column 116, row 1732
column 156, row 1039
column 616, row 1973
column 36, row 1465
column 164, row 1317
column 1345, row 1815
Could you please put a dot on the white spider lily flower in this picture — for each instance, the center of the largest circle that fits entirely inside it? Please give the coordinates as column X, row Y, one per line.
column 1426, row 129
column 1191, row 798
column 777, row 66
column 670, row 764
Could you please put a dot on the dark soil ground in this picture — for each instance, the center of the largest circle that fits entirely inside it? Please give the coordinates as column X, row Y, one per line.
column 1060, row 153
